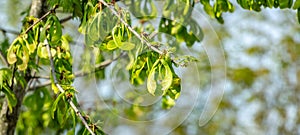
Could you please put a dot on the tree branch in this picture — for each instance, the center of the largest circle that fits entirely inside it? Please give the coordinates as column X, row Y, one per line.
column 62, row 91
column 80, row 73
column 9, row 119
column 65, row 19
column 46, row 83
column 98, row 66
column 40, row 19
column 18, row 33
column 140, row 37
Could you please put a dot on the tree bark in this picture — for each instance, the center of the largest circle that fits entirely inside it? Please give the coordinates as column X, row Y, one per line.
column 8, row 120
column 38, row 8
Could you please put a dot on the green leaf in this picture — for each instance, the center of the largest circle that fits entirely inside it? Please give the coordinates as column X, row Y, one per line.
column 116, row 38
column 71, row 132
column 43, row 32
column 270, row 3
column 55, row 30
column 42, row 51
column 151, row 82
column 5, row 76
column 60, row 116
column 111, row 45
column 30, row 46
column 25, row 60
column 127, row 46
column 167, row 102
column 93, row 28
column 54, row 88
column 22, row 66
column 11, row 98
column 209, row 10
column 285, row 3
column 168, row 76
column 296, row 4
column 54, row 106
column 65, row 39
column 11, row 54
column 73, row 118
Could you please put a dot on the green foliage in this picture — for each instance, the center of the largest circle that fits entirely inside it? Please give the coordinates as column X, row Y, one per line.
column 23, row 48
column 39, row 114
column 106, row 36
column 160, row 79
column 70, row 6
column 177, row 25
column 5, row 83
column 218, row 8
column 144, row 10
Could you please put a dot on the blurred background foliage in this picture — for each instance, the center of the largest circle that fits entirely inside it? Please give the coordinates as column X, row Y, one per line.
column 261, row 96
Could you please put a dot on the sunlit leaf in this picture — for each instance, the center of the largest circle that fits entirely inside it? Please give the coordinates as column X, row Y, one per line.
column 11, row 56
column 127, row 46
column 11, row 53
column 285, row 3
column 167, row 102
column 25, row 59
column 167, row 77
column 151, row 82
column 42, row 51
column 111, row 45
column 55, row 30
column 93, row 28
column 117, row 40
column 296, row 4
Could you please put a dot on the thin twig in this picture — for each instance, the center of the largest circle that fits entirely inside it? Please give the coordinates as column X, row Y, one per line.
column 76, row 74
column 140, row 37
column 62, row 90
column 44, row 84
column 41, row 77
column 3, row 59
column 26, row 31
column 66, row 19
column 98, row 66
column 40, row 19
